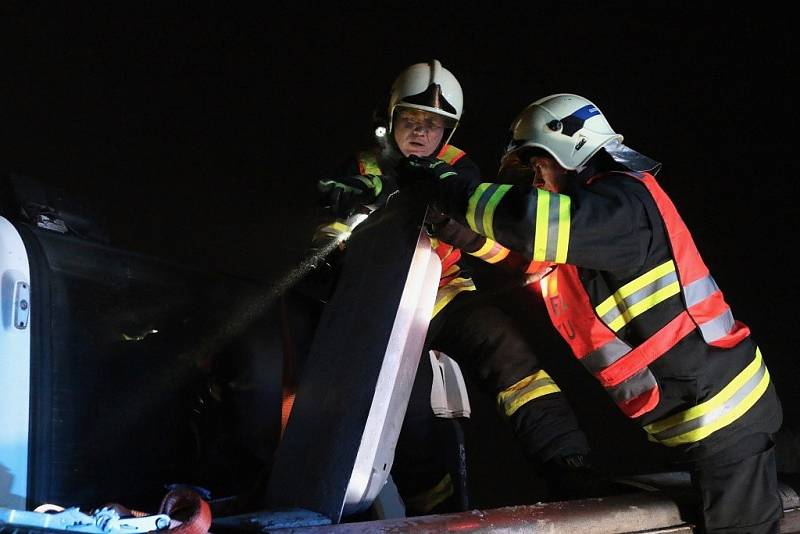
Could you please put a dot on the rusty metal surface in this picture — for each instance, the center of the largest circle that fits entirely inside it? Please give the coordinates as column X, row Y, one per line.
column 790, row 521
column 640, row 512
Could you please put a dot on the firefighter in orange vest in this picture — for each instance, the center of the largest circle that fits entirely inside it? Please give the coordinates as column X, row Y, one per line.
column 425, row 106
column 633, row 298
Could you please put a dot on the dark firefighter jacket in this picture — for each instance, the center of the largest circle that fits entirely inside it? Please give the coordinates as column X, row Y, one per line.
column 632, row 297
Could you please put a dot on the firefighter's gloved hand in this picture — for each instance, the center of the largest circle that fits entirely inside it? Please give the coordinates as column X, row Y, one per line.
column 344, row 195
column 571, row 477
column 414, row 169
column 435, row 217
column 454, row 233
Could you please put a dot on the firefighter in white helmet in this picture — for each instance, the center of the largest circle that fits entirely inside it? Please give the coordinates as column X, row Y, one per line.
column 424, row 109
column 633, row 298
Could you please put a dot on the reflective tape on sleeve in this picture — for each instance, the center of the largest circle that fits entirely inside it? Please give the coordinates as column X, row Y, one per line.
column 529, row 388
column 491, row 252
column 552, row 226
column 481, row 207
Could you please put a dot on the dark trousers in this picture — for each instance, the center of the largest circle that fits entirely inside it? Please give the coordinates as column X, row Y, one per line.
column 489, row 346
column 738, row 488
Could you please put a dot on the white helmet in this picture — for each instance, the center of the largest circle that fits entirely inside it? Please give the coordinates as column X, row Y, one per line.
column 428, row 87
column 567, row 126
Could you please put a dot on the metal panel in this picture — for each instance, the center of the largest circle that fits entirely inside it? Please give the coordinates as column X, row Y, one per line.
column 338, row 446
column 15, row 365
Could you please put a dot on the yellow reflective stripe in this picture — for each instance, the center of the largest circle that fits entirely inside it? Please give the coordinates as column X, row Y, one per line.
column 718, row 401
column 629, row 313
column 564, row 219
column 633, row 286
column 481, row 206
column 448, row 292
column 491, row 205
column 485, row 249
column 531, row 387
column 472, row 206
column 500, row 256
column 336, row 226
column 639, row 295
column 330, row 230
column 542, row 224
column 552, row 226
column 714, row 402
column 491, row 252
column 428, row 500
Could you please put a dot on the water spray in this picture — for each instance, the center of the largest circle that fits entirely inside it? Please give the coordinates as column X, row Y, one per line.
column 253, row 305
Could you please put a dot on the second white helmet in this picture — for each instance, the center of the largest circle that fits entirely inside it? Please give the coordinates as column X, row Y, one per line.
column 567, row 126
column 428, row 87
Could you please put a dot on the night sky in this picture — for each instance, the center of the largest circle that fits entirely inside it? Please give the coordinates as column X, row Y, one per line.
column 197, row 131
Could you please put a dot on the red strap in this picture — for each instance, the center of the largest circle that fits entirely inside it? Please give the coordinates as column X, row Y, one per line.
column 287, row 403
column 193, row 512
column 641, row 404
column 647, row 352
column 448, row 254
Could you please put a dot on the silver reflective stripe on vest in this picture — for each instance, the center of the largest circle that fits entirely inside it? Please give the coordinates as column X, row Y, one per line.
column 717, row 327
column 633, row 387
column 601, row 358
column 699, row 290
column 733, row 401
column 629, row 388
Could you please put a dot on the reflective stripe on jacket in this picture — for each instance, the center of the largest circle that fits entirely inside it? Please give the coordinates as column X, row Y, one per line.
column 590, row 325
column 636, row 303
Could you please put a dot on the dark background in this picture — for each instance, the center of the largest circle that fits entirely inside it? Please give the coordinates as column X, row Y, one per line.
column 197, row 131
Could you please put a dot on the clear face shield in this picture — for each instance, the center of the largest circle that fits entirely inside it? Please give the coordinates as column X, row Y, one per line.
column 631, row 159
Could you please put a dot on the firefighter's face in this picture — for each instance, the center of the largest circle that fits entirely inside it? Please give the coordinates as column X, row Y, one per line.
column 538, row 170
column 418, row 132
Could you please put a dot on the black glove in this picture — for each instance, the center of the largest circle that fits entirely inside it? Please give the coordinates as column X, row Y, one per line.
column 414, row 169
column 571, row 477
column 456, row 234
column 343, row 195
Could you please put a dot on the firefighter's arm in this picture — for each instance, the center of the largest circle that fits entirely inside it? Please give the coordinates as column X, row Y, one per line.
column 347, row 194
column 451, row 231
column 499, row 212
column 345, row 200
